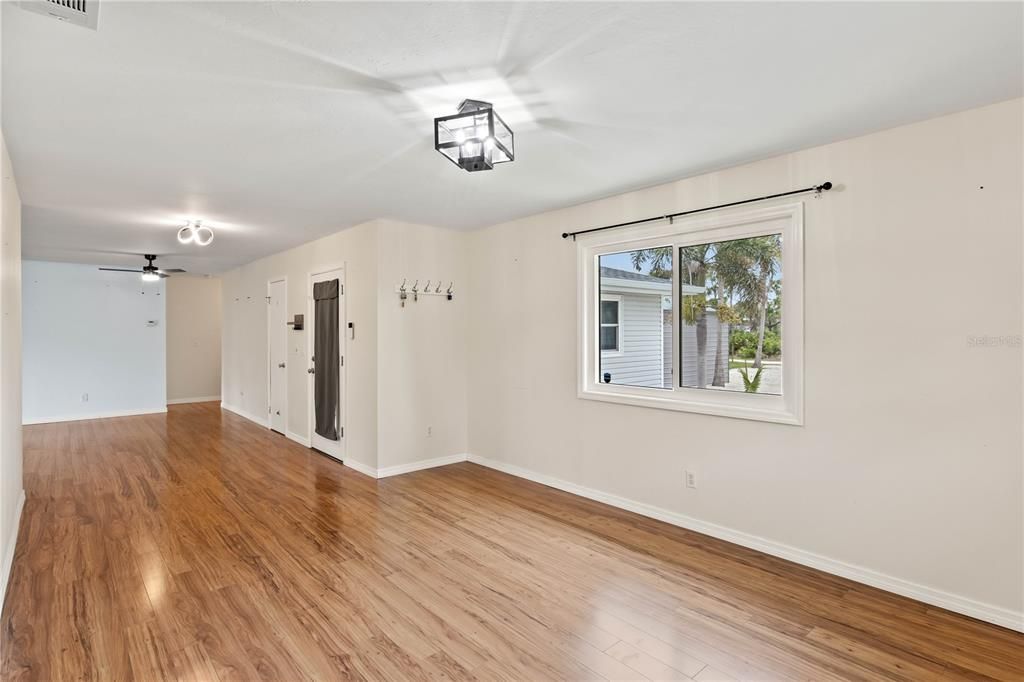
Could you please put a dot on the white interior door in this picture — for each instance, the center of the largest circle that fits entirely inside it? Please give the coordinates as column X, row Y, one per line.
column 277, row 343
column 334, row 448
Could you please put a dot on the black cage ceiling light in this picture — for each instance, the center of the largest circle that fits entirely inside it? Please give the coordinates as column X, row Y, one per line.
column 475, row 138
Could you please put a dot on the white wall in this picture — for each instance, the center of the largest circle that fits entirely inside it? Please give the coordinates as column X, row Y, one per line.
column 12, row 495
column 908, row 471
column 405, row 368
column 87, row 332
column 244, row 364
column 193, row 338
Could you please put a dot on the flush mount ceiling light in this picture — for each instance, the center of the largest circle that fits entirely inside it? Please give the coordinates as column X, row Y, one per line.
column 475, row 138
column 195, row 231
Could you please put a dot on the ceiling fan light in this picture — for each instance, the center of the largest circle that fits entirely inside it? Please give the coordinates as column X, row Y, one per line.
column 203, row 235
column 150, row 277
column 186, row 234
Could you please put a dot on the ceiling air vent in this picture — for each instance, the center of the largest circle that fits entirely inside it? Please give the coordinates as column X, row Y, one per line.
column 80, row 12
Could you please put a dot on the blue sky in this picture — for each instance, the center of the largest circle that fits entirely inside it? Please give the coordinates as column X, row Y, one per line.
column 623, row 262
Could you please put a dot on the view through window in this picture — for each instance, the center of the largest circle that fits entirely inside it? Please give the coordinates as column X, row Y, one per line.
column 636, row 318
column 730, row 307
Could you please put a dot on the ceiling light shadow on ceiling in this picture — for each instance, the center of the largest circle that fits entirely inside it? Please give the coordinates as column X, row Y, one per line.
column 279, row 62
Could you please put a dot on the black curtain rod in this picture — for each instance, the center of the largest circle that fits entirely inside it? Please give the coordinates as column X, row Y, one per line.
column 823, row 187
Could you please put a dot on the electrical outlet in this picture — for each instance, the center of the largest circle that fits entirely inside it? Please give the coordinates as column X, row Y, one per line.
column 691, row 479
column 85, row 397
column 430, row 431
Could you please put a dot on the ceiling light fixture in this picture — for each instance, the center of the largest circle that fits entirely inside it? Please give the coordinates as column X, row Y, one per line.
column 475, row 138
column 204, row 235
column 186, row 234
column 195, row 231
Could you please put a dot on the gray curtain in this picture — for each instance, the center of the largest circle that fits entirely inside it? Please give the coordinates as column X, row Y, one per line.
column 325, row 358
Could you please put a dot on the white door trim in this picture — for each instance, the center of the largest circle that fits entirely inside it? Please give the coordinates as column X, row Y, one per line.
column 342, row 347
column 270, row 331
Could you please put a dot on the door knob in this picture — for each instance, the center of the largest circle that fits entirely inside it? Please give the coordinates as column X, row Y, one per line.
column 310, row 371
column 281, row 365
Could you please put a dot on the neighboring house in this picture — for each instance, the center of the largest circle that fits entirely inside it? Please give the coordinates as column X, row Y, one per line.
column 636, row 331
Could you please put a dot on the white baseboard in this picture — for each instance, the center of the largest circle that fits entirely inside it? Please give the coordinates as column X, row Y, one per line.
column 361, row 468
column 262, row 421
column 301, row 440
column 946, row 600
column 94, row 415
column 204, row 399
column 399, row 469
column 422, row 464
column 8, row 560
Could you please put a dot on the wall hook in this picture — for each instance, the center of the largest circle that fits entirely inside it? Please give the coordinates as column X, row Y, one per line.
column 401, row 293
column 438, row 289
column 450, row 293
column 416, row 291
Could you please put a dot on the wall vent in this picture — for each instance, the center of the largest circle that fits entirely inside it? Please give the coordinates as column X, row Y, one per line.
column 79, row 12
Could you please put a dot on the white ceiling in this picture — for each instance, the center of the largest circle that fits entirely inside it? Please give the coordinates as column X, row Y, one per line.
column 281, row 122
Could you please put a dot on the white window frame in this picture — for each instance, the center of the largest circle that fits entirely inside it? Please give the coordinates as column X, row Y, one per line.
column 618, row 326
column 784, row 219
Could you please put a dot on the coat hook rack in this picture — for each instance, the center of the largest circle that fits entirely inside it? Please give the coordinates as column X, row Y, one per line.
column 432, row 288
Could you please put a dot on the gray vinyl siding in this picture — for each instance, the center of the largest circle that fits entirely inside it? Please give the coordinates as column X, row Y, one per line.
column 640, row 363
column 666, row 331
column 688, row 350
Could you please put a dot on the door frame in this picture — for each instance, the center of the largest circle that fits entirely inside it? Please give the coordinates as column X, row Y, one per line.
column 342, row 348
column 270, row 418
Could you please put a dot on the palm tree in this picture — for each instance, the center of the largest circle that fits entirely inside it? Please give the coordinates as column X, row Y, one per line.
column 730, row 265
column 696, row 263
column 743, row 269
column 758, row 285
column 767, row 254
column 660, row 258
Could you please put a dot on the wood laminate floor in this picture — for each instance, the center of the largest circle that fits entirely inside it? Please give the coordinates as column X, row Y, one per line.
column 198, row 546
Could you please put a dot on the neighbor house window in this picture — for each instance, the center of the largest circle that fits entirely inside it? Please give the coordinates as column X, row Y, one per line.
column 610, row 334
column 704, row 315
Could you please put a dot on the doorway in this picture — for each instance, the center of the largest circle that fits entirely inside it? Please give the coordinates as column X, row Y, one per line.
column 277, row 354
column 326, row 346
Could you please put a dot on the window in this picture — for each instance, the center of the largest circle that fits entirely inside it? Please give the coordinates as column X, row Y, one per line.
column 610, row 323
column 637, row 287
column 703, row 315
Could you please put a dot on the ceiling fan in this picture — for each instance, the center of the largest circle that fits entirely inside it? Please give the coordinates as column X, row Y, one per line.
column 150, row 272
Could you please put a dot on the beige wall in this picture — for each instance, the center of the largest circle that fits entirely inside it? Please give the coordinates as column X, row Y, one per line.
column 405, row 368
column 11, row 492
column 908, row 471
column 193, row 338
column 422, row 347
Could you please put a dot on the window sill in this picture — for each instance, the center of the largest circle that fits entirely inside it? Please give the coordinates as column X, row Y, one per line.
column 764, row 408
